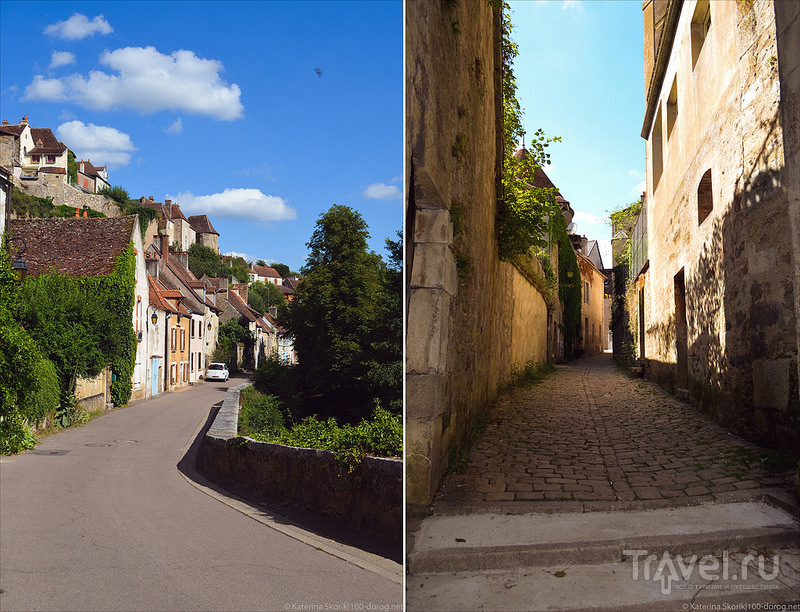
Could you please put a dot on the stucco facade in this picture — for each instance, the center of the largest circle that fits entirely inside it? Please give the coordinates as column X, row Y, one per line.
column 721, row 291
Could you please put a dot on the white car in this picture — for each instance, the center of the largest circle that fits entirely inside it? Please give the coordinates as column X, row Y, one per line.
column 217, row 371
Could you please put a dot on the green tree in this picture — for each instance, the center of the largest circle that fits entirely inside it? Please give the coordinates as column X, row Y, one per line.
column 204, row 260
column 263, row 295
column 282, row 269
column 333, row 315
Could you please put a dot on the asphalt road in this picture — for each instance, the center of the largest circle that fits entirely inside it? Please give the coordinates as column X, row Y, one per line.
column 100, row 518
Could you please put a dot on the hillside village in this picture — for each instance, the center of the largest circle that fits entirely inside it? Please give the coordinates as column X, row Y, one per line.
column 176, row 316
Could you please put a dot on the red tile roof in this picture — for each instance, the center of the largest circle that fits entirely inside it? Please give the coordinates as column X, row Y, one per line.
column 202, row 225
column 266, row 271
column 77, row 246
column 52, row 170
column 88, row 168
column 242, row 308
column 46, row 143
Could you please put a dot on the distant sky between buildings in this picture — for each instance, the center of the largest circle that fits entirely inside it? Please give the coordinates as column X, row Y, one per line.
column 261, row 115
column 580, row 76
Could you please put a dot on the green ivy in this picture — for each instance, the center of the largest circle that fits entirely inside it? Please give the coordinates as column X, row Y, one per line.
column 569, row 289
column 524, row 211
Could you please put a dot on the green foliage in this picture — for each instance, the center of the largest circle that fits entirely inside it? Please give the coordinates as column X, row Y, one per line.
column 118, row 194
column 69, row 211
column 344, row 319
column 28, row 383
column 83, row 325
column 260, row 414
column 204, row 260
column 145, row 214
column 569, row 289
column 229, row 334
column 524, row 211
column 275, row 378
column 72, row 168
column 26, row 206
column 282, row 269
column 379, row 436
column 263, row 295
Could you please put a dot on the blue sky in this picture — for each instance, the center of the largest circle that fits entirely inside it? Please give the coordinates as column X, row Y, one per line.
column 219, row 106
column 580, row 76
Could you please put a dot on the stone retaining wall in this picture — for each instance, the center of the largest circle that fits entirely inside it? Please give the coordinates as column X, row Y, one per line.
column 370, row 498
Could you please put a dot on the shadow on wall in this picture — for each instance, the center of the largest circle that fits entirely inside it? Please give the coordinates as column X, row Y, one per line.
column 740, row 314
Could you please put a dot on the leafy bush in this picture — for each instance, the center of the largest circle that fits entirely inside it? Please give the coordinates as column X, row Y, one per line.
column 260, row 414
column 380, row 436
column 15, row 436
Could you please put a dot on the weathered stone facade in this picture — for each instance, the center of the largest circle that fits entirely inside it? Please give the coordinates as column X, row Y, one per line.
column 53, row 186
column 471, row 318
column 721, row 318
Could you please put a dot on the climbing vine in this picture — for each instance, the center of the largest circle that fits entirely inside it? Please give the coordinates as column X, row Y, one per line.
column 569, row 289
column 524, row 211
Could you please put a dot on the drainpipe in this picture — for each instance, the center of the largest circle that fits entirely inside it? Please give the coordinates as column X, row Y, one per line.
column 166, row 351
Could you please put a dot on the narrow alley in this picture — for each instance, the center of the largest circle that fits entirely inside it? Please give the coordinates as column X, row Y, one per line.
column 588, row 433
column 574, row 476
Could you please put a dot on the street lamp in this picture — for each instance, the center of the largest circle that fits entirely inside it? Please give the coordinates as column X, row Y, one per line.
column 154, row 318
column 18, row 265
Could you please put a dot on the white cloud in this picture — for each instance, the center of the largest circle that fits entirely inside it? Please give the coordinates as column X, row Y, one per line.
column 61, row 58
column 639, row 189
column 146, row 81
column 381, row 191
column 78, row 26
column 102, row 145
column 248, row 204
column 588, row 218
column 175, row 128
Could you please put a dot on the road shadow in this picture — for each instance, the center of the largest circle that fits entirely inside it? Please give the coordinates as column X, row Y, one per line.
column 279, row 510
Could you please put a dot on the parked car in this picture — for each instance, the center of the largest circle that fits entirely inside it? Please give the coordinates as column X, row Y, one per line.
column 217, row 371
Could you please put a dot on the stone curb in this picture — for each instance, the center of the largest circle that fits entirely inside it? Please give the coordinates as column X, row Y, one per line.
column 485, row 558
column 778, row 498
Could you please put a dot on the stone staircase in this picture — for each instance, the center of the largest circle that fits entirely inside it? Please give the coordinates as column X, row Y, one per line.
column 732, row 555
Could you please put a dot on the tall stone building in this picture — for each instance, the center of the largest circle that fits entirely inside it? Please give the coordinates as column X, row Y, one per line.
column 719, row 293
column 471, row 318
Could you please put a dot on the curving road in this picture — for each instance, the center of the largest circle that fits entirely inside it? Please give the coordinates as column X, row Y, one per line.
column 100, row 518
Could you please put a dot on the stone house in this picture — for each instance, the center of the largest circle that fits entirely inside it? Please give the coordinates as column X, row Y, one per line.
column 92, row 178
column 85, row 246
column 265, row 274
column 718, row 294
column 593, row 333
column 205, row 233
column 471, row 318
column 38, row 150
column 198, row 302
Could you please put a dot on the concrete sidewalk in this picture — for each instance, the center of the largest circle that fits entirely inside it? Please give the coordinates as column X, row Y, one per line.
column 575, row 478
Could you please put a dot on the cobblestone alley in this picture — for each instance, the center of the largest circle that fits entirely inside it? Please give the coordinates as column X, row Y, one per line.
column 589, row 433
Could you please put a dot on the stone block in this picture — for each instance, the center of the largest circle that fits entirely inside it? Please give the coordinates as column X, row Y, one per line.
column 771, row 383
column 434, row 268
column 428, row 331
column 433, row 226
column 425, row 395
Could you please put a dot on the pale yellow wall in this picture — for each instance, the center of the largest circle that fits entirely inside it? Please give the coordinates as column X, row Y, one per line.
column 529, row 321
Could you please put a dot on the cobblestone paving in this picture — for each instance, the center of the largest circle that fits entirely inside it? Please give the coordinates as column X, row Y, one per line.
column 590, row 433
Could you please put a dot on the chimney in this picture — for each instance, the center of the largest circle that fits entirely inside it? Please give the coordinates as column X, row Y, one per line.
column 273, row 311
column 5, row 121
column 584, row 242
column 164, row 246
column 241, row 289
column 24, row 120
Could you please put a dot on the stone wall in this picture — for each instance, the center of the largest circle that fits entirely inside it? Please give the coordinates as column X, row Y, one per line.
column 370, row 498
column 734, row 272
column 53, row 186
column 471, row 318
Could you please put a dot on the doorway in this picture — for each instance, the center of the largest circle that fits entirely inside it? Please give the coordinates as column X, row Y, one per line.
column 681, row 333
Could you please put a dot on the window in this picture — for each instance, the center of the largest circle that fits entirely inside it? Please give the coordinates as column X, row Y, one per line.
column 586, row 289
column 191, row 333
column 172, row 343
column 138, row 314
column 672, row 107
column 35, row 158
column 51, row 159
column 183, row 339
column 701, row 24
column 173, row 372
column 705, row 197
column 657, row 153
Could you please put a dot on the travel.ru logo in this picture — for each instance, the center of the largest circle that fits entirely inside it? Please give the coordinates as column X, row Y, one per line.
column 677, row 568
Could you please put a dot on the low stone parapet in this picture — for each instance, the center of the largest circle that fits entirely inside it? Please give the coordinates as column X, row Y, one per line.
column 370, row 497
